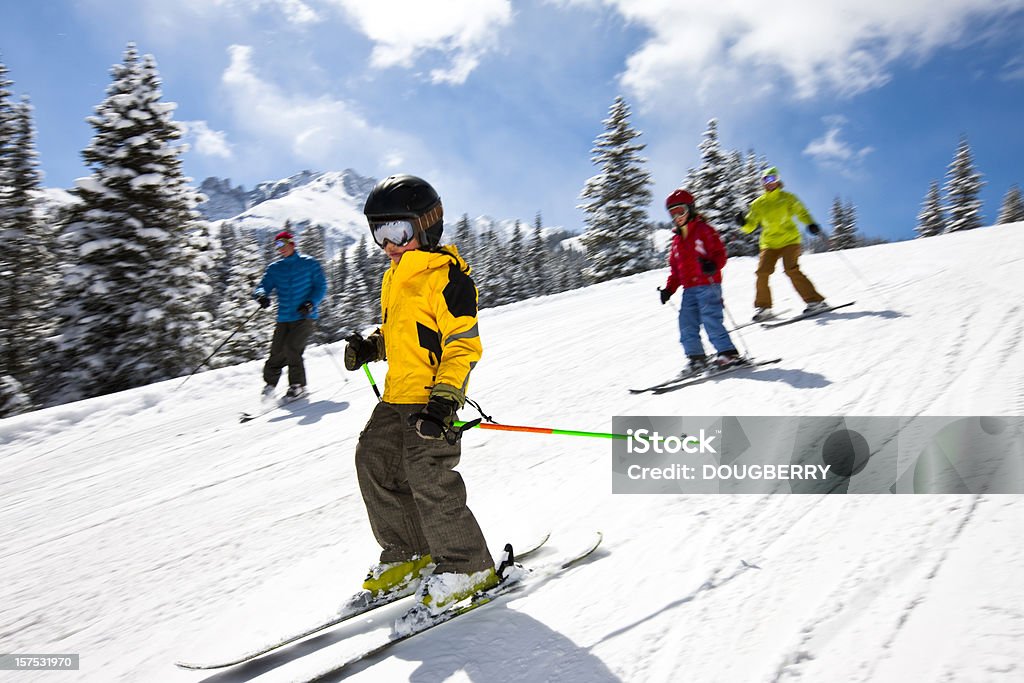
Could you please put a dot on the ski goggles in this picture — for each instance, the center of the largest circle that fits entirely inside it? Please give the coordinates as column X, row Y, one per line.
column 398, row 232
column 679, row 210
column 281, row 243
column 770, row 179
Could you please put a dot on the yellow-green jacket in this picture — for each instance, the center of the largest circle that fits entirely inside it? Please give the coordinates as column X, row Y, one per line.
column 429, row 308
column 774, row 212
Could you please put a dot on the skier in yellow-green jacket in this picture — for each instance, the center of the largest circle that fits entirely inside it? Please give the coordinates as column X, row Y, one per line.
column 773, row 212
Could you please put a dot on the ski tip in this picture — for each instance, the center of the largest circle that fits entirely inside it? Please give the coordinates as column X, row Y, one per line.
column 192, row 666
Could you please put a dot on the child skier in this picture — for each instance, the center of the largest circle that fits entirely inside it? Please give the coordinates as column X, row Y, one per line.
column 695, row 264
column 406, row 454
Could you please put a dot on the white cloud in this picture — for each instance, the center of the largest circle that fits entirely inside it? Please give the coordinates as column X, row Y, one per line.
column 831, row 151
column 207, row 141
column 405, row 30
column 1013, row 70
column 295, row 12
column 314, row 130
column 804, row 48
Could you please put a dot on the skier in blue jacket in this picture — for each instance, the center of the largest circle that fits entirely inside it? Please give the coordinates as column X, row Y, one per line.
column 301, row 286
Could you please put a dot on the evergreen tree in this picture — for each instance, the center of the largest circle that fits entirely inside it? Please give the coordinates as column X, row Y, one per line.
column 714, row 183
column 364, row 287
column 575, row 263
column 723, row 185
column 537, row 261
column 240, row 267
column 131, row 312
column 465, row 239
column 618, row 233
column 14, row 398
column 6, row 125
column 314, row 243
column 748, row 188
column 489, row 273
column 963, row 185
column 844, row 226
column 27, row 276
column 28, row 245
column 516, row 284
column 931, row 220
column 1012, row 208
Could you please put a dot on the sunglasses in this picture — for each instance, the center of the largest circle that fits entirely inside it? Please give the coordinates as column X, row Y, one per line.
column 770, row 179
column 399, row 233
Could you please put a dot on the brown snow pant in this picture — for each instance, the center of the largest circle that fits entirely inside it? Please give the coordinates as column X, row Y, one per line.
column 415, row 500
column 286, row 348
column 766, row 266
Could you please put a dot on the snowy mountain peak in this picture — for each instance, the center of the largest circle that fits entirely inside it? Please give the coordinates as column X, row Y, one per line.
column 332, row 199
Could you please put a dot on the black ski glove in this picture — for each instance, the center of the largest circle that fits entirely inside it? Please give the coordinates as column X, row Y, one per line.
column 359, row 351
column 665, row 295
column 306, row 308
column 740, row 218
column 435, row 420
column 813, row 229
column 263, row 300
column 707, row 266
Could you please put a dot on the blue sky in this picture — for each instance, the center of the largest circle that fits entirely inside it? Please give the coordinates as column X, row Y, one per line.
column 498, row 104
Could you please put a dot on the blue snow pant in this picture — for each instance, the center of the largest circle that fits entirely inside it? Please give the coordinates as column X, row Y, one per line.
column 702, row 305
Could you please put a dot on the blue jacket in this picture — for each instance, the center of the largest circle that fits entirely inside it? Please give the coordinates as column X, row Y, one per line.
column 297, row 279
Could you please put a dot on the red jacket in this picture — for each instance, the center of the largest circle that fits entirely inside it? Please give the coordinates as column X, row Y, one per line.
column 701, row 241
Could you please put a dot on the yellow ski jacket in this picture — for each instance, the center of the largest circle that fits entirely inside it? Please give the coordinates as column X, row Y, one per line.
column 429, row 311
column 774, row 212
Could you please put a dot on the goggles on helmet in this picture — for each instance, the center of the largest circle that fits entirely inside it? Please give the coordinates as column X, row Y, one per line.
column 770, row 179
column 398, row 232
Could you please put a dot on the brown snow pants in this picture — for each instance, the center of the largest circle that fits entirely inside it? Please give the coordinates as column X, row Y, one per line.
column 766, row 266
column 414, row 498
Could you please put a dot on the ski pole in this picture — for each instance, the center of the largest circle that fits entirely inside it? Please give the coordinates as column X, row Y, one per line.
column 513, row 428
column 369, row 375
column 855, row 271
column 732, row 321
column 542, row 430
column 330, row 354
column 366, row 368
column 219, row 346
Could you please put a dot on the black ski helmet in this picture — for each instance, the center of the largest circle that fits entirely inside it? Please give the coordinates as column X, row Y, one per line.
column 407, row 197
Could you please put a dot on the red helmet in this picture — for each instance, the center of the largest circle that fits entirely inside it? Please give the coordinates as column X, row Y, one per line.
column 680, row 197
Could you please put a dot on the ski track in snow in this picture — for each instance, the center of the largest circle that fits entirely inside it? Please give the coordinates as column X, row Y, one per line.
column 141, row 528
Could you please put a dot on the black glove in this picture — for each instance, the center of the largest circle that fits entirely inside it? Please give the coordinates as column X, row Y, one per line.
column 435, row 420
column 359, row 351
column 306, row 308
column 813, row 228
column 665, row 295
column 263, row 300
column 740, row 218
column 707, row 266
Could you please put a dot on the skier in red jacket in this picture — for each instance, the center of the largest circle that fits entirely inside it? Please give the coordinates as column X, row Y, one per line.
column 695, row 264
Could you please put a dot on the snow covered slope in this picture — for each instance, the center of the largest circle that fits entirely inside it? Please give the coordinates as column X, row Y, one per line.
column 149, row 526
